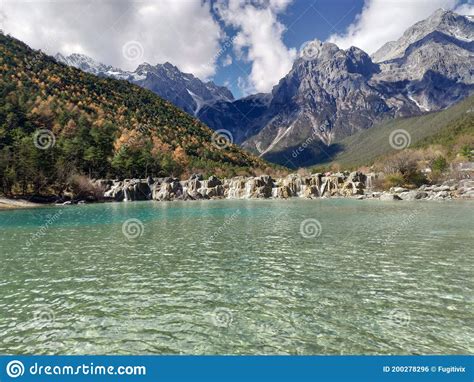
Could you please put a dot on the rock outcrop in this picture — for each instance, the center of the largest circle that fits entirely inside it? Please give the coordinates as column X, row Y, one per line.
column 341, row 184
column 264, row 186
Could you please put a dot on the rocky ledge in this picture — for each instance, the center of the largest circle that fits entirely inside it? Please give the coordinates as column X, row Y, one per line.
column 451, row 189
column 343, row 184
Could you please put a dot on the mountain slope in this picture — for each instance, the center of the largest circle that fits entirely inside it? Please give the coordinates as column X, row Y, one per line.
column 327, row 95
column 447, row 128
column 56, row 120
column 184, row 90
column 435, row 58
column 441, row 21
column 332, row 93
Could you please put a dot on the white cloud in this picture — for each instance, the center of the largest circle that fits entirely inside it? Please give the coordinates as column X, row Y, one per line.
column 259, row 40
column 227, row 60
column 465, row 9
column 182, row 32
column 381, row 21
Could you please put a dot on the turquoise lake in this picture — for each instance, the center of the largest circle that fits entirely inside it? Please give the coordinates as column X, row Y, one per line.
column 333, row 276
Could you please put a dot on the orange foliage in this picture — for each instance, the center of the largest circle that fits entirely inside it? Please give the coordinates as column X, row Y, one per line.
column 179, row 156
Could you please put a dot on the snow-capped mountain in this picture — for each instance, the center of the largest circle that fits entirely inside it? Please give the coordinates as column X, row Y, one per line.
column 87, row 64
column 441, row 21
column 435, row 56
column 182, row 89
column 328, row 94
column 331, row 93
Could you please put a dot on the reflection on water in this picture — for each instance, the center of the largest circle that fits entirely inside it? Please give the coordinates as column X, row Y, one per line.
column 238, row 277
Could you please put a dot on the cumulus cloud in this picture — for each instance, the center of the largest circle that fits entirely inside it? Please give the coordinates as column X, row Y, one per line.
column 227, row 60
column 381, row 21
column 258, row 40
column 121, row 33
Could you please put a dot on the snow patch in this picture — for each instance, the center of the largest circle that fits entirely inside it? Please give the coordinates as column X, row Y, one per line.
column 420, row 106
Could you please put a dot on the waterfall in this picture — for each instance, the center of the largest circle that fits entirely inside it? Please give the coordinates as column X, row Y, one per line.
column 248, row 188
column 369, row 181
column 127, row 196
column 301, row 188
column 234, row 189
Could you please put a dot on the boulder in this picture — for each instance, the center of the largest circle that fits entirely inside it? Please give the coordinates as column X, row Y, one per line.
column 356, row 176
column 235, row 188
column 388, row 197
column 170, row 189
column 105, row 184
column 399, row 190
column 442, row 195
column 196, row 176
column 441, row 188
column 191, row 189
column 413, row 195
column 468, row 195
column 213, row 181
column 283, row 192
column 315, row 180
column 259, row 187
column 115, row 192
column 421, row 195
column 311, row 191
column 136, row 189
column 215, row 192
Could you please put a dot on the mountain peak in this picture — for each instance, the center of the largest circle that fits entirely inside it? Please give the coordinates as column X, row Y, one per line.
column 328, row 60
column 166, row 80
column 443, row 21
column 145, row 66
column 168, row 65
column 314, row 49
column 440, row 12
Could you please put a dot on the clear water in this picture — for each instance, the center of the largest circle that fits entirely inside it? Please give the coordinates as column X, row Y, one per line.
column 238, row 277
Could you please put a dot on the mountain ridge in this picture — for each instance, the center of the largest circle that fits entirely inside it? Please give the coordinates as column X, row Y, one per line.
column 331, row 93
column 184, row 90
column 57, row 121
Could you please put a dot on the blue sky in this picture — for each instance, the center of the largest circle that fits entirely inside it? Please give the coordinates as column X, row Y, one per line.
column 304, row 20
column 247, row 45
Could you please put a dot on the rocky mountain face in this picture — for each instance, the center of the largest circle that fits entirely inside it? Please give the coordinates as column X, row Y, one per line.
column 441, row 21
column 331, row 93
column 182, row 89
column 435, row 59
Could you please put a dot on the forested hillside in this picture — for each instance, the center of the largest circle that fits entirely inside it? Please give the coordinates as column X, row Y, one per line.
column 451, row 130
column 57, row 121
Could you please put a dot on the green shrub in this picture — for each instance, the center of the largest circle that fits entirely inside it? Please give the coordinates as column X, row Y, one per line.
column 393, row 180
column 439, row 164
